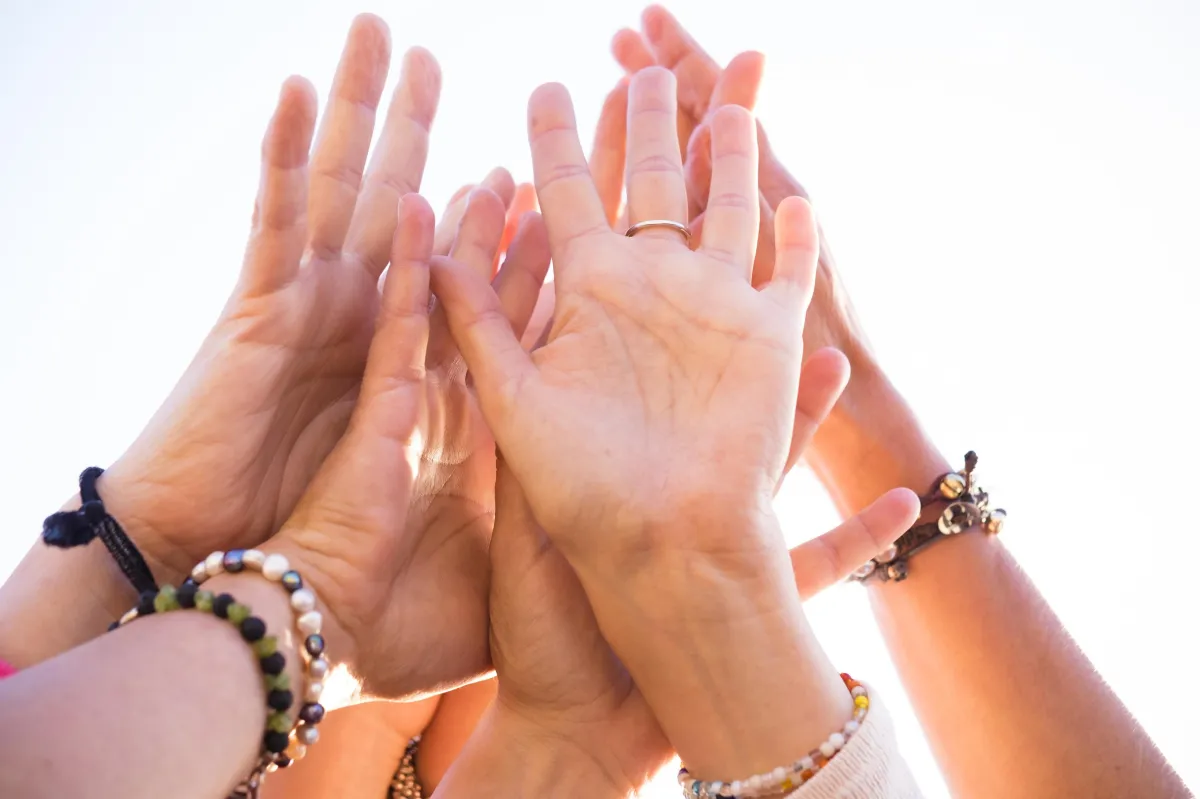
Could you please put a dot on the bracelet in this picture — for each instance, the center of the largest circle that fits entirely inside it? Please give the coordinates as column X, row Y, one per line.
column 284, row 741
column 404, row 781
column 74, row 528
column 968, row 508
column 793, row 775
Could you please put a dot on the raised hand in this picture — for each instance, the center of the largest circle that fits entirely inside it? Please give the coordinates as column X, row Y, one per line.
column 393, row 531
column 704, row 87
column 225, row 459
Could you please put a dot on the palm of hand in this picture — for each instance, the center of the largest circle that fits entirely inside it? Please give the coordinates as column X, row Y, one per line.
column 640, row 342
column 393, row 532
column 226, row 458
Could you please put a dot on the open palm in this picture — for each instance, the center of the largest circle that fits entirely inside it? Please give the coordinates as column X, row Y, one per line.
column 664, row 369
column 404, row 585
column 225, row 459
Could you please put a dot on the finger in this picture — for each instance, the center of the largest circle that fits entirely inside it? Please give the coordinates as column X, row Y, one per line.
column 499, row 366
column 825, row 561
column 731, row 220
column 654, row 170
column 774, row 181
column 697, row 169
column 570, row 204
column 631, row 51
column 345, row 133
column 823, row 378
column 607, row 162
column 739, row 82
column 537, row 331
column 474, row 247
column 796, row 249
column 520, row 280
column 396, row 362
column 697, row 73
column 278, row 236
column 764, row 254
column 398, row 161
column 524, row 201
column 498, row 181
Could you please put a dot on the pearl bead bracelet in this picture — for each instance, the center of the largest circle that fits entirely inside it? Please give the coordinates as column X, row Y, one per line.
column 283, row 746
column 789, row 777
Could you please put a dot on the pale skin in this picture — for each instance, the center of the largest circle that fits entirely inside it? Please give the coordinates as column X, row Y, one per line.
column 999, row 686
column 650, row 372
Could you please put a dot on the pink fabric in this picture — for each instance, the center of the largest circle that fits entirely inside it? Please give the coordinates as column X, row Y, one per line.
column 6, row 670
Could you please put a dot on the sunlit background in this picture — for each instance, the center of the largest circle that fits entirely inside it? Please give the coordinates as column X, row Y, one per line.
column 1011, row 188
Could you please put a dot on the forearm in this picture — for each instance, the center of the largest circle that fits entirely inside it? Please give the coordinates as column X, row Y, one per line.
column 57, row 599
column 175, row 704
column 999, row 686
column 509, row 756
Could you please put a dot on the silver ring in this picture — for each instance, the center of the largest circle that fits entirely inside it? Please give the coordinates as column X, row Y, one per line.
column 670, row 224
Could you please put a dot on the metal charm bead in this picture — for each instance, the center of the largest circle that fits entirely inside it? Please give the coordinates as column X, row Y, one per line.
column 957, row 517
column 995, row 521
column 886, row 556
column 866, row 570
column 953, row 485
column 897, row 571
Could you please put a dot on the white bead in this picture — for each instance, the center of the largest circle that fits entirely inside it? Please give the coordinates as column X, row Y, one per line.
column 779, row 774
column 214, row 564
column 858, row 690
column 754, row 783
column 318, row 668
column 253, row 558
column 303, row 600
column 312, row 691
column 200, row 572
column 274, row 566
column 806, row 763
column 850, row 728
column 309, row 623
column 736, row 787
column 308, row 735
column 827, row 749
column 838, row 740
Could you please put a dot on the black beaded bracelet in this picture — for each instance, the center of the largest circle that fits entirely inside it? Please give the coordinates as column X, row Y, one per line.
column 271, row 661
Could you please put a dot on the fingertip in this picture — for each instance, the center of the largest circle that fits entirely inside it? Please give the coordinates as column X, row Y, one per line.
column 421, row 78
column 291, row 130
column 525, row 199
column 795, row 222
column 420, row 61
column 483, row 200
column 654, row 20
column 550, row 107
column 501, row 182
column 370, row 30
column 833, row 363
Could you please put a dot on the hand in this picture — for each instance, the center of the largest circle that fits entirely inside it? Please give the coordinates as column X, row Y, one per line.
column 390, row 533
column 703, row 88
column 225, row 459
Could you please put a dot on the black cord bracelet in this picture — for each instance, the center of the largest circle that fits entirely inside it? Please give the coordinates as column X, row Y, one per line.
column 74, row 528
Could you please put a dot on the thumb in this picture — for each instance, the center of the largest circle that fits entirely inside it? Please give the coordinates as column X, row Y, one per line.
column 499, row 366
column 829, row 559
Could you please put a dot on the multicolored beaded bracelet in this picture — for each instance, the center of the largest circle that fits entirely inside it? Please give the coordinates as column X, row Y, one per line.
column 784, row 778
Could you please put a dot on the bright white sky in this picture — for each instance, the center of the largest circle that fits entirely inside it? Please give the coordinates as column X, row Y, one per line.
column 1010, row 188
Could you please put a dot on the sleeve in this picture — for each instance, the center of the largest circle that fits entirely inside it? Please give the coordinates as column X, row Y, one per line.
column 869, row 767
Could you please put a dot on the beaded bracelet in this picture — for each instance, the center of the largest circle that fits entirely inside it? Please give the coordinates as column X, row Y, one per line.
column 283, row 745
column 784, row 778
column 254, row 631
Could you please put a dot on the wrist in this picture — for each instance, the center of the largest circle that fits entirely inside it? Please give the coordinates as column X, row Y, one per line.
column 125, row 496
column 718, row 654
column 514, row 754
column 872, row 442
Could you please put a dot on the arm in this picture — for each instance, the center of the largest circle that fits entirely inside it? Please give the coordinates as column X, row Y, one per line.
column 171, row 705
column 996, row 655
